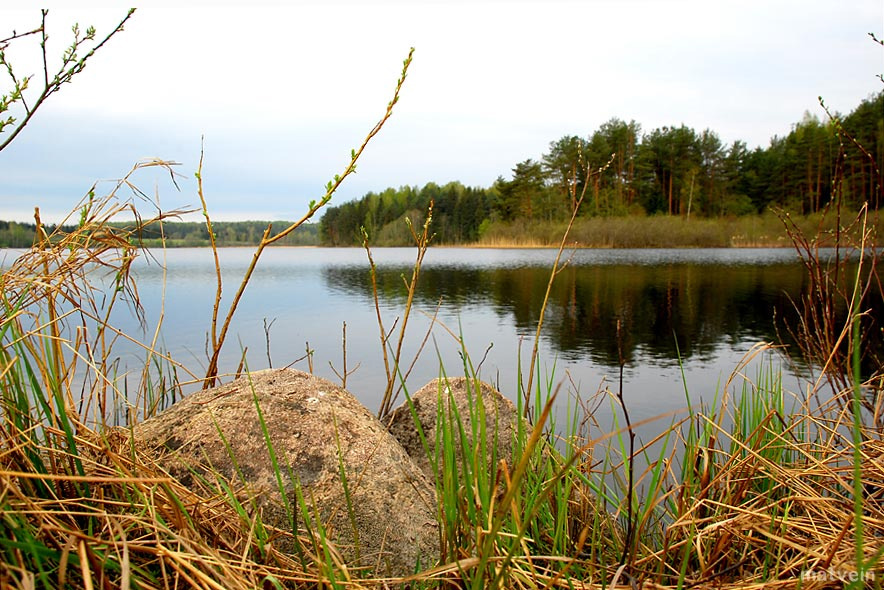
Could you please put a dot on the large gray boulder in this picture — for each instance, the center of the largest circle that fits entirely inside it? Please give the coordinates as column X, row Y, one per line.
column 316, row 429
column 501, row 420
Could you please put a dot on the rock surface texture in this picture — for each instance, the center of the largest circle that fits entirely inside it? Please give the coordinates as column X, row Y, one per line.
column 317, row 429
column 501, row 419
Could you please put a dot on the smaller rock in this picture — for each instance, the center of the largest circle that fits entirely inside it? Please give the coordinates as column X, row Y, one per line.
column 501, row 419
column 383, row 520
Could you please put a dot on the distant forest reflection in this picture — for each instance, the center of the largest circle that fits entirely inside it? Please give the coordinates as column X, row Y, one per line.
column 666, row 311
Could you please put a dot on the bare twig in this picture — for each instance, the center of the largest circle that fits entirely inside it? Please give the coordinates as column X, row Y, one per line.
column 213, row 333
column 344, row 374
column 5, row 42
column 422, row 242
column 628, row 543
column 267, row 340
column 308, row 352
column 373, row 274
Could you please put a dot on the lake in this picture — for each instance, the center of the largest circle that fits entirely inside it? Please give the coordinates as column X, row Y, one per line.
column 687, row 316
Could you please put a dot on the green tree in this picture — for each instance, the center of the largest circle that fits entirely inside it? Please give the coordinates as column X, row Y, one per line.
column 708, row 179
column 735, row 199
column 668, row 157
column 810, row 158
column 599, row 152
column 526, row 196
column 565, row 167
column 864, row 169
column 619, row 139
column 469, row 213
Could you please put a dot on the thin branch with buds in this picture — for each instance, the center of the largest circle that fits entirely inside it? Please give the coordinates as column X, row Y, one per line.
column 218, row 336
column 71, row 65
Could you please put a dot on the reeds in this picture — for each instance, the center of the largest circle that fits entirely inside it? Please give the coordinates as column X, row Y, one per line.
column 661, row 231
column 81, row 506
column 752, row 490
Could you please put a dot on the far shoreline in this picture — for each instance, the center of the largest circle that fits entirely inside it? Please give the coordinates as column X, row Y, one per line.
column 767, row 230
column 481, row 246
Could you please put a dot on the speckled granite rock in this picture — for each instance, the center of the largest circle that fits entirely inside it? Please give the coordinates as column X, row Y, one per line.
column 501, row 419
column 314, row 426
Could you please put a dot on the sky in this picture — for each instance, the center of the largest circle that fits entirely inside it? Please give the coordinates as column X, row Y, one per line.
column 277, row 95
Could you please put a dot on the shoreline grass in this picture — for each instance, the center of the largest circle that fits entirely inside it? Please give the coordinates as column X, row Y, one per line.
column 761, row 231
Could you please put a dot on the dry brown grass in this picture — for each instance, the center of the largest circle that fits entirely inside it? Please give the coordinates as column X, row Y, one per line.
column 81, row 506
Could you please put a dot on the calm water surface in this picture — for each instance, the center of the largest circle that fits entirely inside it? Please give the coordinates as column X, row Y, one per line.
column 705, row 307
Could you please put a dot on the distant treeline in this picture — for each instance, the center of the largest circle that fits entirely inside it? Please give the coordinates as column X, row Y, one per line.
column 230, row 233
column 178, row 234
column 673, row 171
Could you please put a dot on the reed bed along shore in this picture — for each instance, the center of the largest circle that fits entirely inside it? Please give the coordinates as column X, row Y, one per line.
column 661, row 231
column 759, row 488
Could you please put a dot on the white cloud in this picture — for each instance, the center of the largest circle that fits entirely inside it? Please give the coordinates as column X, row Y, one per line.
column 282, row 93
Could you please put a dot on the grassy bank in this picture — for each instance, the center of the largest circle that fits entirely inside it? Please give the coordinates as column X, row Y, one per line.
column 760, row 487
column 663, row 231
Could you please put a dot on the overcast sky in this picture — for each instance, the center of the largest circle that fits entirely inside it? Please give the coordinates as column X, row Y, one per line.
column 282, row 93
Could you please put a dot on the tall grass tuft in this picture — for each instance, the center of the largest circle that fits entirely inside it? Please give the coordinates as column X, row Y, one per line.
column 81, row 506
column 754, row 489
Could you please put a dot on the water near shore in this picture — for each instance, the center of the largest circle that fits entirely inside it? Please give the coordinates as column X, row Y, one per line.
column 702, row 308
